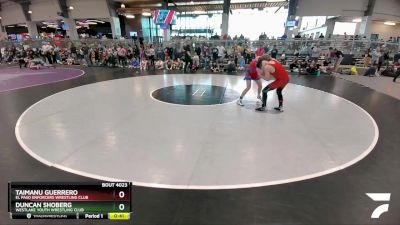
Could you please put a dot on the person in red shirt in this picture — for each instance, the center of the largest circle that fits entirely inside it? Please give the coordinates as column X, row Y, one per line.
column 271, row 67
column 260, row 51
column 251, row 74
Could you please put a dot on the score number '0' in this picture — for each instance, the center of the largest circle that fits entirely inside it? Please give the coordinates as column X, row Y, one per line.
column 121, row 194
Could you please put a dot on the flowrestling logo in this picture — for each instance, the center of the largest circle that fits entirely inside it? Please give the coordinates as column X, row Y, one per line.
column 379, row 197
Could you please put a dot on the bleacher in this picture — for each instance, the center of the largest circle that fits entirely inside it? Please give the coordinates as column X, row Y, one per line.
column 357, row 48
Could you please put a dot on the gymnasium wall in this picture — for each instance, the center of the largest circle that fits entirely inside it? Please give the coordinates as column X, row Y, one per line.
column 383, row 10
column 44, row 10
column 332, row 7
column 96, row 9
column 12, row 14
column 385, row 31
column 387, row 10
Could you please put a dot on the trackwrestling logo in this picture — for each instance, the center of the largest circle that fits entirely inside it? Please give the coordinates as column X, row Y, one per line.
column 379, row 197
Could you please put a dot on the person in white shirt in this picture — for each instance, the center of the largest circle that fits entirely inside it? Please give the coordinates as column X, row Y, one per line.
column 159, row 64
column 221, row 51
column 283, row 58
column 143, row 64
column 315, row 53
column 196, row 62
column 151, row 55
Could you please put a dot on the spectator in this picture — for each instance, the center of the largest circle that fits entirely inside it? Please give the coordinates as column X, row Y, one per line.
column 143, row 64
column 159, row 64
column 315, row 53
column 370, row 72
column 338, row 59
column 121, row 56
column 21, row 58
column 242, row 62
column 198, row 50
column 367, row 58
column 376, row 59
column 283, row 58
column 168, row 64
column 129, row 56
column 136, row 63
column 85, row 54
column 296, row 53
column 294, row 64
column 177, row 64
column 196, row 62
column 274, row 52
column 215, row 53
column 151, row 55
column 397, row 69
column 260, row 51
column 312, row 68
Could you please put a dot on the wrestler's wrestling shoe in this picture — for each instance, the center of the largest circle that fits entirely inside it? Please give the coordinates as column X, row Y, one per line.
column 280, row 109
column 261, row 109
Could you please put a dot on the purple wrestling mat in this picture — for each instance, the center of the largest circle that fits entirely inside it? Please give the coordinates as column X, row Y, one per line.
column 15, row 78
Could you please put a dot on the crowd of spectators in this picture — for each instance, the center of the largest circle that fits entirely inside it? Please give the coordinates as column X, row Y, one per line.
column 185, row 57
column 136, row 55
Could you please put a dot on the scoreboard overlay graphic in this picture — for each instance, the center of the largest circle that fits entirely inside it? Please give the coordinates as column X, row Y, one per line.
column 57, row 200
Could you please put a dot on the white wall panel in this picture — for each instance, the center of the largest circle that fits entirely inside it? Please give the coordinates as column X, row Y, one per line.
column 45, row 10
column 332, row 7
column 385, row 31
column 387, row 10
column 84, row 9
column 12, row 14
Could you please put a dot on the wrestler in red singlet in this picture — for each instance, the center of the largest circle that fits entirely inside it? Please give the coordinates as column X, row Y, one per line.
column 281, row 76
column 275, row 69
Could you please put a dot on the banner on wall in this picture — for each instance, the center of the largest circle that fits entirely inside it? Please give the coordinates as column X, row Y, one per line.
column 164, row 18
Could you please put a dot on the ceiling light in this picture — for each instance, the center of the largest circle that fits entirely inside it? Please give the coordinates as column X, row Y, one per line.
column 10, row 26
column 91, row 22
column 130, row 16
column 357, row 20
column 146, row 14
column 389, row 23
column 191, row 2
column 1, row 17
column 123, row 6
column 96, row 21
column 71, row 7
column 87, row 23
column 30, row 12
column 199, row 12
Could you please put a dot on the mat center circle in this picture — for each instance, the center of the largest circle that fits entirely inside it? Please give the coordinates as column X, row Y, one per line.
column 195, row 94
